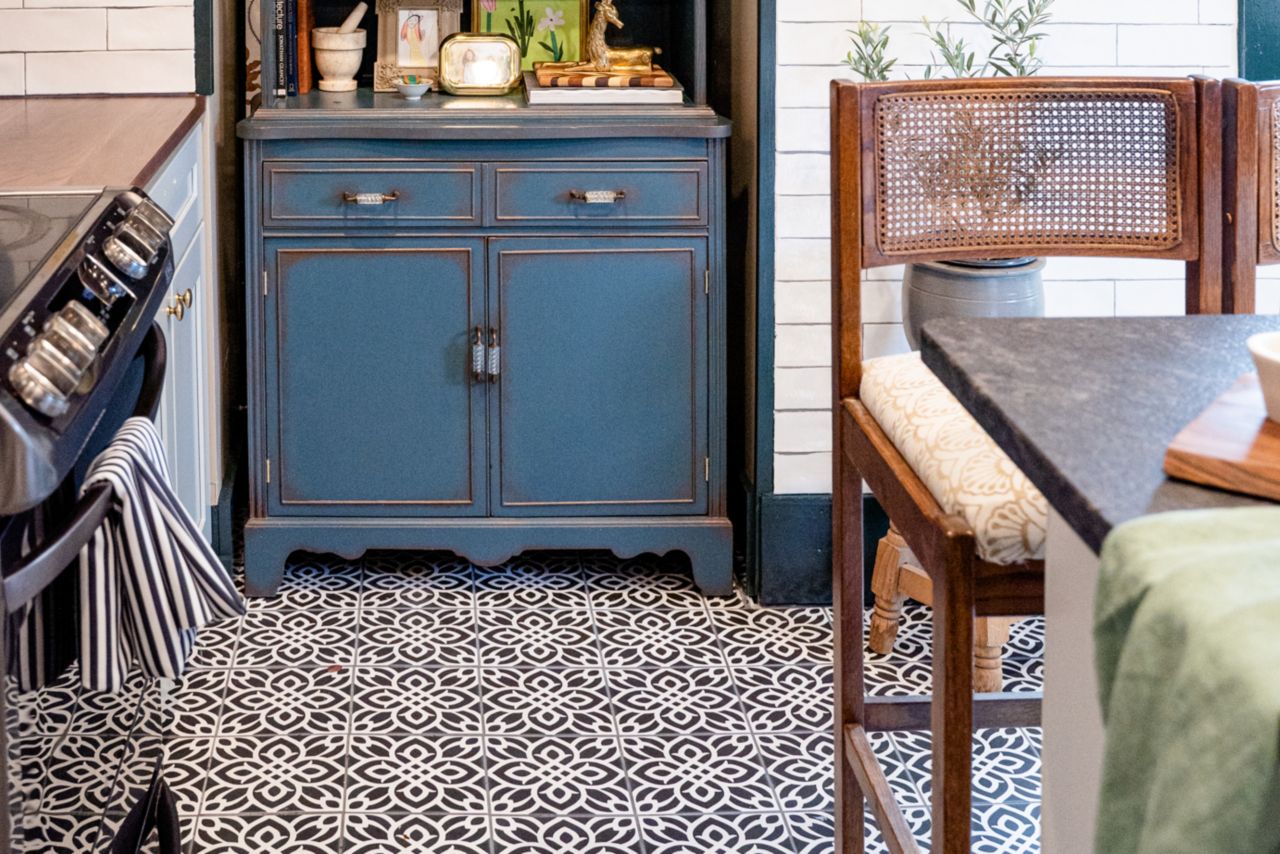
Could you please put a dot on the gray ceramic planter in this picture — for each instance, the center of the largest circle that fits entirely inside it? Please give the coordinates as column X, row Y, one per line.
column 997, row 288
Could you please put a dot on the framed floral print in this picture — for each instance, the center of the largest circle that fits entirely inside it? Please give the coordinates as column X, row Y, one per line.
column 546, row 30
column 409, row 36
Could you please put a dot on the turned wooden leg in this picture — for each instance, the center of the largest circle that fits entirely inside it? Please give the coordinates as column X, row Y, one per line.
column 890, row 555
column 990, row 634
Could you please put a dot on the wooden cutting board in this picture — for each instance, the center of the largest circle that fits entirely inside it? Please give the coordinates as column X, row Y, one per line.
column 1231, row 445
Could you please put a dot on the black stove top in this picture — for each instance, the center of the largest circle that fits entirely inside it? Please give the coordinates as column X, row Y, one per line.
column 31, row 225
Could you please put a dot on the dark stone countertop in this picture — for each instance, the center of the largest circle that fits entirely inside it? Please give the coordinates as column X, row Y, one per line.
column 1086, row 406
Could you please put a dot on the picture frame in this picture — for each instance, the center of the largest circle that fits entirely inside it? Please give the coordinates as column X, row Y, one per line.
column 409, row 36
column 527, row 22
column 479, row 64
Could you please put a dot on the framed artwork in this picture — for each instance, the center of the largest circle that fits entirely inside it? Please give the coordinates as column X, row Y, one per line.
column 409, row 35
column 546, row 30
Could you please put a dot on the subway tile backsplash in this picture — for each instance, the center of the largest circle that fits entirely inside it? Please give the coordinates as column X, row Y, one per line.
column 70, row 47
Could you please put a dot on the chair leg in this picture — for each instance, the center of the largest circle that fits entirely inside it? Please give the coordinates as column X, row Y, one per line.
column 887, row 614
column 990, row 636
column 850, row 687
column 952, row 707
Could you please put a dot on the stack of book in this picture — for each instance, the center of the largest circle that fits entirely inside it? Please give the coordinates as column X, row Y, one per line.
column 291, row 24
column 559, row 83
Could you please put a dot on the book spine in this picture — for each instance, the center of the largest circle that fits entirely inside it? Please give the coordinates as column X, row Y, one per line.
column 291, row 39
column 278, row 36
column 306, row 20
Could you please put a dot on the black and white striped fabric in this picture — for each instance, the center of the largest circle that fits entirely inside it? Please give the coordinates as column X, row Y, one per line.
column 148, row 578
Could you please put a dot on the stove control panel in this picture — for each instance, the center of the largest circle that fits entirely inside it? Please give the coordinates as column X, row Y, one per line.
column 51, row 356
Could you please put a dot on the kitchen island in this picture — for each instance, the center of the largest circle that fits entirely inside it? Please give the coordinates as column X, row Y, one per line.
column 1086, row 408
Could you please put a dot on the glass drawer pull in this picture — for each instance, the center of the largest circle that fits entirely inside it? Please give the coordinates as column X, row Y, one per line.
column 370, row 198
column 598, row 197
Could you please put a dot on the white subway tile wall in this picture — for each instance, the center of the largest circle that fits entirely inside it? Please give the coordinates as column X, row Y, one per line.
column 1086, row 37
column 71, row 47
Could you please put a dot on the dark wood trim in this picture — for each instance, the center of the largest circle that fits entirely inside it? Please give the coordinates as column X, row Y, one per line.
column 1204, row 291
column 891, row 714
column 1242, row 141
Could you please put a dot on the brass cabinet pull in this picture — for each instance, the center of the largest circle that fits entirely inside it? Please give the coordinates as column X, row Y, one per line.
column 478, row 370
column 370, row 198
column 181, row 302
column 495, row 356
column 597, row 197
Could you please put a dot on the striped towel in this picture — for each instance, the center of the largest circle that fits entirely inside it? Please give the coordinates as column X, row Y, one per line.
column 148, row 579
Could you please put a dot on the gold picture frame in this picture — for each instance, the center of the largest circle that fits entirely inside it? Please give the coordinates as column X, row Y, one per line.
column 526, row 18
column 427, row 23
column 479, row 64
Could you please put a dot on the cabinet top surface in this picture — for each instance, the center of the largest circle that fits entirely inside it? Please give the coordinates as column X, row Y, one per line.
column 366, row 115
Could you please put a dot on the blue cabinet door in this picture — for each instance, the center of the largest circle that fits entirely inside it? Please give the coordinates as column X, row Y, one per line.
column 601, row 403
column 371, row 405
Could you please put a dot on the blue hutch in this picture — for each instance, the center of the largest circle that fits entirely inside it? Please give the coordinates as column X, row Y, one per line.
column 449, row 348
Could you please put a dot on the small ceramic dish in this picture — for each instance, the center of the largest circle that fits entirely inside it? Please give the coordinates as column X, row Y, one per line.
column 1265, row 348
column 413, row 88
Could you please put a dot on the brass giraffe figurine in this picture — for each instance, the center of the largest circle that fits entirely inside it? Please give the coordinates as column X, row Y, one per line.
column 601, row 58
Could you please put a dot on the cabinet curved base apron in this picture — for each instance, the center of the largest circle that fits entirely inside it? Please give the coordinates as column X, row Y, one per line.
column 487, row 336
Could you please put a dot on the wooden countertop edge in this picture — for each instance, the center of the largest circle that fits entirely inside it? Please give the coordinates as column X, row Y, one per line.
column 105, row 168
column 165, row 151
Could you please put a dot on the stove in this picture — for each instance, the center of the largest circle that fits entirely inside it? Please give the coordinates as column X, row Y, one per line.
column 81, row 277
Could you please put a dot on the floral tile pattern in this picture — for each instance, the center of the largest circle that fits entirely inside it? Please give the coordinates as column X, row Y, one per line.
column 414, row 703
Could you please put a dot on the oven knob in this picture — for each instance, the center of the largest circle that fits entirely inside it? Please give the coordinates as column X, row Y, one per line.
column 36, row 389
column 95, row 276
column 80, row 321
column 66, row 343
column 126, row 258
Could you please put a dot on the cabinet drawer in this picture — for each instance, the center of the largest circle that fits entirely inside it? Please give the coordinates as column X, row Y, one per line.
column 629, row 194
column 403, row 194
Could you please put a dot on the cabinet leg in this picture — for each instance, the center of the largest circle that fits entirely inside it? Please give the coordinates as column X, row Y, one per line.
column 264, row 559
column 713, row 565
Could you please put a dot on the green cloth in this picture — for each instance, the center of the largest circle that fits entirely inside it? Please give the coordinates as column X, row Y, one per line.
column 1187, row 633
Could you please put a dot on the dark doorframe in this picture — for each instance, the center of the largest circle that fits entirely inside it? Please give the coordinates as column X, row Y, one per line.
column 1259, row 29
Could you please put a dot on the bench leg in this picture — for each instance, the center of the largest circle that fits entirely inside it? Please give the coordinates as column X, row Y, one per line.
column 891, row 553
column 991, row 634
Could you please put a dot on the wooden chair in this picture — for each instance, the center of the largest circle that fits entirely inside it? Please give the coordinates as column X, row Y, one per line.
column 1250, row 186
column 926, row 170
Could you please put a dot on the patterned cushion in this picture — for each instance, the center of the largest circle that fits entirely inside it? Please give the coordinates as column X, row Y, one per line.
column 955, row 458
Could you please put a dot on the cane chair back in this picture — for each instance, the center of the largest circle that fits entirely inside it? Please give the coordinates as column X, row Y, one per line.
column 1031, row 166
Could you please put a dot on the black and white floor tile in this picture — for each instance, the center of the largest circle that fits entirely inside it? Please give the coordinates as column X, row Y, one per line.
column 561, row 703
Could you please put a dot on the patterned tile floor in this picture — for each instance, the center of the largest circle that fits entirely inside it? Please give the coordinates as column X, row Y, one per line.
column 562, row 703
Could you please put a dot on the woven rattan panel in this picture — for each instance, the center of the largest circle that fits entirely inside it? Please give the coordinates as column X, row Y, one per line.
column 1275, row 175
column 972, row 169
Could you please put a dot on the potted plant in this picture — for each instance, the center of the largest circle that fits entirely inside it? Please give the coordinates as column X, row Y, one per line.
column 973, row 173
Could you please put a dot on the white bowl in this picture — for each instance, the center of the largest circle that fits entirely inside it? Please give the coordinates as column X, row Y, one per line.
column 1265, row 348
column 412, row 91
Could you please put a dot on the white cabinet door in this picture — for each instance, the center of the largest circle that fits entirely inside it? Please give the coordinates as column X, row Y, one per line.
column 186, row 420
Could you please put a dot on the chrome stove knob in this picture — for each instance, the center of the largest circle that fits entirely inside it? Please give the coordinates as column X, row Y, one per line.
column 83, row 322
column 133, row 247
column 36, row 389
